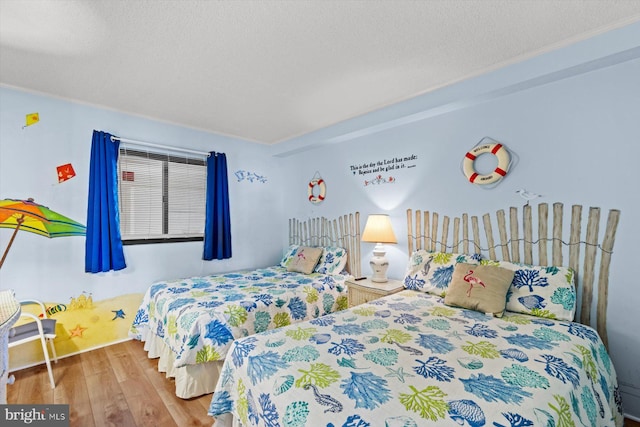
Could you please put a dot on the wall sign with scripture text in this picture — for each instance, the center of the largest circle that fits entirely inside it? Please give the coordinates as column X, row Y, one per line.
column 382, row 171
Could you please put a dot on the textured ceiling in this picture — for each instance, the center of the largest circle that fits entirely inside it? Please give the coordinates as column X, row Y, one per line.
column 268, row 71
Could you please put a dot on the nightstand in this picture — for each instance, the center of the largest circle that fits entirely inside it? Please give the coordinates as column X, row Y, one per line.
column 361, row 291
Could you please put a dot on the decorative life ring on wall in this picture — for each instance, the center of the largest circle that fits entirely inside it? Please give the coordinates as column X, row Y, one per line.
column 321, row 194
column 498, row 173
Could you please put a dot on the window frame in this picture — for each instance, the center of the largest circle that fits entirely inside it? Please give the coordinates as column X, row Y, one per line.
column 165, row 158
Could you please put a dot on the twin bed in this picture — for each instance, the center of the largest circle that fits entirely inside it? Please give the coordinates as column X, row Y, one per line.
column 441, row 352
column 189, row 324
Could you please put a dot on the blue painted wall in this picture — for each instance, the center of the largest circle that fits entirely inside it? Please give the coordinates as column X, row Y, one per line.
column 53, row 269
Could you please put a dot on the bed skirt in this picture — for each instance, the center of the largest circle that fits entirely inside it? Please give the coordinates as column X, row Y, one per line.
column 191, row 380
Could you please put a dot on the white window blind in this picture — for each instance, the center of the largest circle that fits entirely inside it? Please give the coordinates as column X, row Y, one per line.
column 161, row 196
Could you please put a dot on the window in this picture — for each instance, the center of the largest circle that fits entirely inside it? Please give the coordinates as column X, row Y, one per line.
column 161, row 196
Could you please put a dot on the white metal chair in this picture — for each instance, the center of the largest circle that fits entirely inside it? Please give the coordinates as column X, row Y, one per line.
column 37, row 329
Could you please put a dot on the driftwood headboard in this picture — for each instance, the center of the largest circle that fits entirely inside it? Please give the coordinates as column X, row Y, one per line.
column 589, row 249
column 343, row 232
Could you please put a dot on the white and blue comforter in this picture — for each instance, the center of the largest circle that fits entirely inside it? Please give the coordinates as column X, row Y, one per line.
column 409, row 360
column 198, row 318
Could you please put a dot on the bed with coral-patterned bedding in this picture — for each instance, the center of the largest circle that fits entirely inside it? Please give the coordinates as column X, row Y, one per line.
column 190, row 323
column 199, row 317
column 474, row 339
column 410, row 360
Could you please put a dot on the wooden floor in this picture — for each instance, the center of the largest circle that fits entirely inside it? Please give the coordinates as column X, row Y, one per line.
column 115, row 386
column 112, row 386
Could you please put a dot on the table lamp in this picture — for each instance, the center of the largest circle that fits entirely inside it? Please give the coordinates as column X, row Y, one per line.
column 378, row 230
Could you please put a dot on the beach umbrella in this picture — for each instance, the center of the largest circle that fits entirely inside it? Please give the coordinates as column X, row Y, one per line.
column 29, row 216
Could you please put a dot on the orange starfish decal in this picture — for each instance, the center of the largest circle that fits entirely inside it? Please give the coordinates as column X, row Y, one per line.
column 77, row 332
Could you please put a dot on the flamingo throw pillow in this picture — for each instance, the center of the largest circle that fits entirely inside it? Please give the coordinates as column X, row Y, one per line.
column 479, row 287
column 304, row 260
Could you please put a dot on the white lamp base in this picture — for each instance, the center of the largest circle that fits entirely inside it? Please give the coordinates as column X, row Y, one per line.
column 379, row 264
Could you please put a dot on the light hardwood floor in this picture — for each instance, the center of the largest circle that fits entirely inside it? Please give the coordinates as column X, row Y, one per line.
column 112, row 386
column 115, row 386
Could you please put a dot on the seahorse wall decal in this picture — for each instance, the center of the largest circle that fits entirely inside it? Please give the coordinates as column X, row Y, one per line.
column 324, row 399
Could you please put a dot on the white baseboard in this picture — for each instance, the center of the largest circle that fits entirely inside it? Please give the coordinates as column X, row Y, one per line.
column 19, row 368
column 631, row 417
column 630, row 400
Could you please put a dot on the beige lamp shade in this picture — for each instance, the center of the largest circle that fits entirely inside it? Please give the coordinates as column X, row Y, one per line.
column 378, row 230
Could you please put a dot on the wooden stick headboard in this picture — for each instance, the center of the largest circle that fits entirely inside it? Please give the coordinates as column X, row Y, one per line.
column 423, row 232
column 343, row 232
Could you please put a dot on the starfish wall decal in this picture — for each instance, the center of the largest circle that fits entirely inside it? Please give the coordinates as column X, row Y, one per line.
column 77, row 332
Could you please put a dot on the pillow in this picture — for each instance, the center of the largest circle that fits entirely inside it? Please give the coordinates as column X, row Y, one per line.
column 304, row 260
column 332, row 261
column 479, row 287
column 541, row 291
column 288, row 255
column 431, row 271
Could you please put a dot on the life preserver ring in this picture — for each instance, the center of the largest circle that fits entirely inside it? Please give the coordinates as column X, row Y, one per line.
column 498, row 173
column 323, row 190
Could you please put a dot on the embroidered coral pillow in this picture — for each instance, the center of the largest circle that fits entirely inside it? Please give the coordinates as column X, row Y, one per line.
column 332, row 261
column 541, row 291
column 431, row 272
column 479, row 287
column 304, row 260
column 288, row 255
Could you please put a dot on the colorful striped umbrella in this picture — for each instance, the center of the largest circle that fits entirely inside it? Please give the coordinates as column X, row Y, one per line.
column 29, row 216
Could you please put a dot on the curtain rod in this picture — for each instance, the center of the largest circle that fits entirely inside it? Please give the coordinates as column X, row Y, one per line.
column 165, row 147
